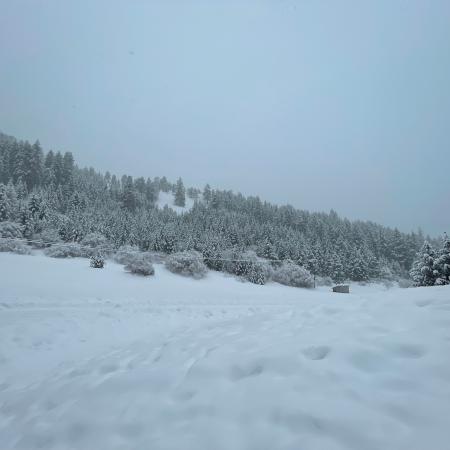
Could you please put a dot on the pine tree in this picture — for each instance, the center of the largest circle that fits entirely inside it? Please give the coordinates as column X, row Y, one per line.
column 58, row 168
column 34, row 206
column 36, row 166
column 5, row 206
column 207, row 193
column 129, row 200
column 164, row 184
column 423, row 272
column 442, row 263
column 151, row 191
column 67, row 169
column 21, row 189
column 180, row 194
column 49, row 178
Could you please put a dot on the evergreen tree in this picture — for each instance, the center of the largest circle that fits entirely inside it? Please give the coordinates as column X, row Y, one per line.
column 180, row 194
column 207, row 193
column 21, row 189
column 442, row 263
column 49, row 177
column 423, row 272
column 151, row 191
column 129, row 200
column 67, row 169
column 164, row 185
column 36, row 165
column 5, row 206
column 58, row 168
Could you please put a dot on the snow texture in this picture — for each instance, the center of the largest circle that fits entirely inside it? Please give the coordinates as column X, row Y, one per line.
column 101, row 359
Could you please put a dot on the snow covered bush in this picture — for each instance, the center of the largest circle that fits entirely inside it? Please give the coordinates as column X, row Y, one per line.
column 95, row 243
column 126, row 254
column 14, row 246
column 187, row 263
column 97, row 262
column 291, row 274
column 94, row 240
column 10, row 230
column 324, row 281
column 65, row 250
column 46, row 238
column 140, row 265
column 248, row 266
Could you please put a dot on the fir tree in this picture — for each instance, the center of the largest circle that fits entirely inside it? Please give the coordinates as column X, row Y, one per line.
column 423, row 272
column 207, row 193
column 442, row 263
column 4, row 204
column 180, row 194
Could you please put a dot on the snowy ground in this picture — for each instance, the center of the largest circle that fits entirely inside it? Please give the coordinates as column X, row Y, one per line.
column 101, row 359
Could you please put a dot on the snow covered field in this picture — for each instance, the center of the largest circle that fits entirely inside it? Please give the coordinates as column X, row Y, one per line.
column 101, row 359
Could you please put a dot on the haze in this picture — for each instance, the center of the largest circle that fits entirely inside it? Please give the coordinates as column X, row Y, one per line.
column 342, row 105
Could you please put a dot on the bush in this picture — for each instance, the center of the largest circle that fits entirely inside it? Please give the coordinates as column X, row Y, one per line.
column 248, row 266
column 96, row 243
column 324, row 281
column 140, row 265
column 290, row 274
column 11, row 230
column 188, row 263
column 14, row 246
column 97, row 262
column 65, row 250
column 94, row 240
column 126, row 254
column 46, row 238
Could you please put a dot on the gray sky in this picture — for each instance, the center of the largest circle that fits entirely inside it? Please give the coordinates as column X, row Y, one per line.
column 320, row 104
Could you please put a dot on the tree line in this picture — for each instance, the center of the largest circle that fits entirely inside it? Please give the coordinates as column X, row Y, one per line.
column 48, row 192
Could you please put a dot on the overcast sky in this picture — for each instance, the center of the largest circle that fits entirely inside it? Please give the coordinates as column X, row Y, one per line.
column 320, row 104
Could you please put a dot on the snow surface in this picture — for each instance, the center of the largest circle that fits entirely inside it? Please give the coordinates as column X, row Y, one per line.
column 102, row 359
column 167, row 199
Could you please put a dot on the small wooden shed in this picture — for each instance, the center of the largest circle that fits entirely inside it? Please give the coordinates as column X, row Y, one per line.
column 342, row 288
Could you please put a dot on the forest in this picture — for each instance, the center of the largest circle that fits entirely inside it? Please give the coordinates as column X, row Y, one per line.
column 53, row 199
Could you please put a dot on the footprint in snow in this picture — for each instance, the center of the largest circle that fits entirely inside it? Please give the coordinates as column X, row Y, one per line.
column 316, row 352
column 249, row 370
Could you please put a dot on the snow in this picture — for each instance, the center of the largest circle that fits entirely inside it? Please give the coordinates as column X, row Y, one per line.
column 167, row 199
column 102, row 359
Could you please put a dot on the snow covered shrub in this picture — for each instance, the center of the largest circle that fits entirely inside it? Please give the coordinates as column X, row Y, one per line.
column 140, row 265
column 248, row 266
column 65, row 250
column 14, row 246
column 291, row 274
column 126, row 254
column 188, row 263
column 10, row 230
column 257, row 273
column 97, row 262
column 96, row 243
column 324, row 281
column 46, row 238
column 94, row 240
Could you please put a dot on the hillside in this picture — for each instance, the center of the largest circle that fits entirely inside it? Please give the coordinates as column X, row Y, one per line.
column 46, row 193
